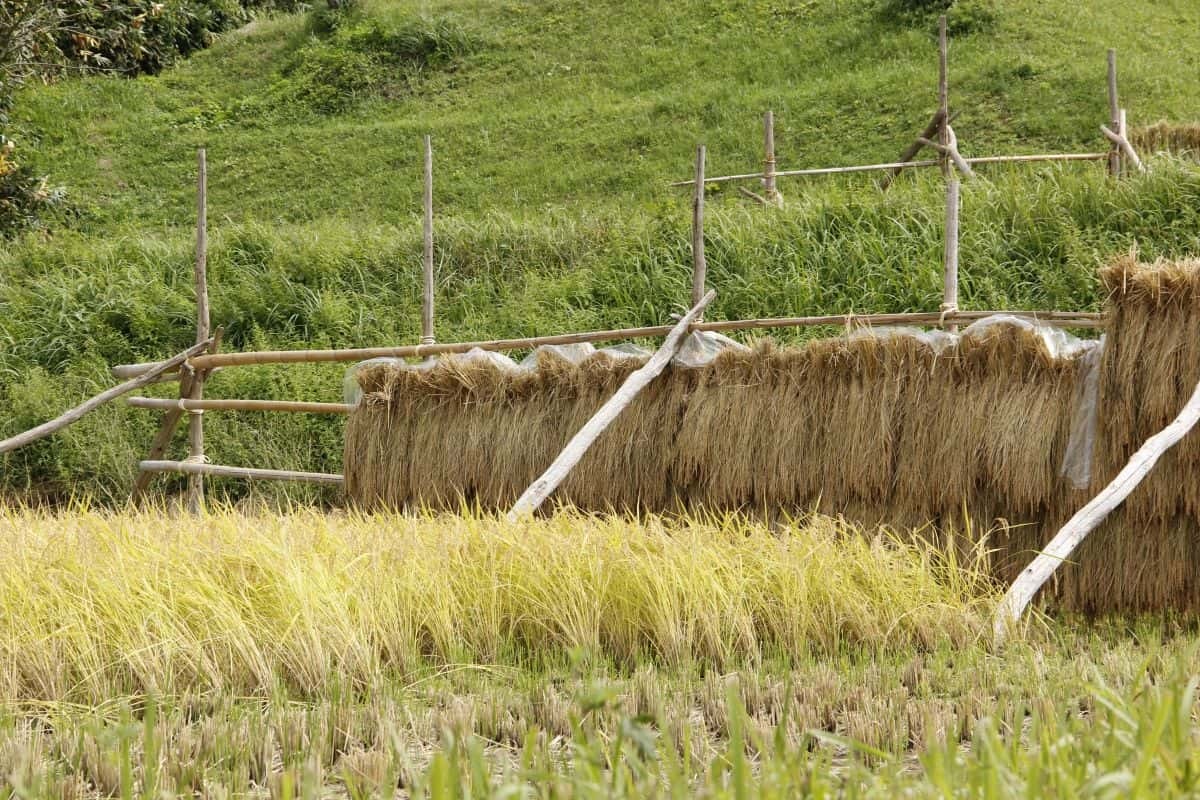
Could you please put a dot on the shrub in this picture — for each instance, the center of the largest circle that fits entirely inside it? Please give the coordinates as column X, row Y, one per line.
column 25, row 197
column 963, row 17
column 350, row 58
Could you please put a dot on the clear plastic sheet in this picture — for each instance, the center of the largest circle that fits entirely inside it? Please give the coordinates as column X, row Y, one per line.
column 701, row 347
column 625, row 350
column 1077, row 458
column 936, row 340
column 1058, row 342
column 573, row 353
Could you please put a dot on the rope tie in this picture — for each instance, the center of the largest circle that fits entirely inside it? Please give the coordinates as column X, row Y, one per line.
column 181, row 404
column 947, row 308
column 200, row 459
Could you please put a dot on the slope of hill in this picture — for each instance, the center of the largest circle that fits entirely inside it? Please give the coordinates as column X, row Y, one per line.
column 557, row 127
column 589, row 103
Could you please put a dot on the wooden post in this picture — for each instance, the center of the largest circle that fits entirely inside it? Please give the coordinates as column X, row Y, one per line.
column 544, row 486
column 950, row 275
column 1114, row 113
column 699, row 265
column 943, row 96
column 427, row 336
column 196, row 418
column 1090, row 516
column 770, row 191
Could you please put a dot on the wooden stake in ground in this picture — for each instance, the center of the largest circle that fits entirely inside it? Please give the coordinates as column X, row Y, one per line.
column 950, row 271
column 943, row 96
column 427, row 336
column 1114, row 114
column 545, row 485
column 1090, row 516
column 699, row 265
column 770, row 192
column 196, row 418
column 76, row 413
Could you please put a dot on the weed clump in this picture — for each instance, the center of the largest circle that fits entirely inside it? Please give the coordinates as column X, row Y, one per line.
column 351, row 57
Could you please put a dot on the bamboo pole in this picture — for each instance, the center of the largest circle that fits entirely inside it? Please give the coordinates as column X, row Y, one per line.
column 1064, row 319
column 1033, row 577
column 427, row 336
column 1114, row 114
column 133, row 370
column 943, row 95
column 79, row 411
column 898, row 165
column 194, row 468
column 238, row 405
column 770, row 191
column 950, row 272
column 196, row 418
column 699, row 264
column 544, row 486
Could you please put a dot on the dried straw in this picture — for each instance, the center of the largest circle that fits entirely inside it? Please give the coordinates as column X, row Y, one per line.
column 1182, row 138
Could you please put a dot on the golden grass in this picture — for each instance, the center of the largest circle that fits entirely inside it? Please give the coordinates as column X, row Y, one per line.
column 99, row 605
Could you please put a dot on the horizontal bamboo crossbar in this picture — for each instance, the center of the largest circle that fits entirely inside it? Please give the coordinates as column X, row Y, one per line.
column 1062, row 319
column 897, row 165
column 195, row 468
column 239, row 405
column 133, row 370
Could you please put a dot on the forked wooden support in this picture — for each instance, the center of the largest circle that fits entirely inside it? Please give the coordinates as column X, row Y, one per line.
column 545, row 485
column 951, row 151
column 1089, row 518
column 1123, row 145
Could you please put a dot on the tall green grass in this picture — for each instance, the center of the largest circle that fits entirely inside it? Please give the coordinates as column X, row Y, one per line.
column 72, row 306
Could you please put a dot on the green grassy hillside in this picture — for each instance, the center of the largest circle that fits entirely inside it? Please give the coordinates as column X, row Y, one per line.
column 556, row 127
column 592, row 103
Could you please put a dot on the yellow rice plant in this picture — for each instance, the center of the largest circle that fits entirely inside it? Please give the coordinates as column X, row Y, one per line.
column 96, row 605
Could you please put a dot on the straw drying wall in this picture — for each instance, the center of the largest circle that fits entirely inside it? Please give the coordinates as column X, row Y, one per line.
column 967, row 434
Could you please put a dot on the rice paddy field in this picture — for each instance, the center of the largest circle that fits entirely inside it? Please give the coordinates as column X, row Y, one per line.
column 317, row 654
column 280, row 646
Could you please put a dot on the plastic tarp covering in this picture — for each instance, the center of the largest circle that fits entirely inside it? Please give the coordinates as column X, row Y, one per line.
column 701, row 347
column 1077, row 458
column 938, row 341
column 1059, row 343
